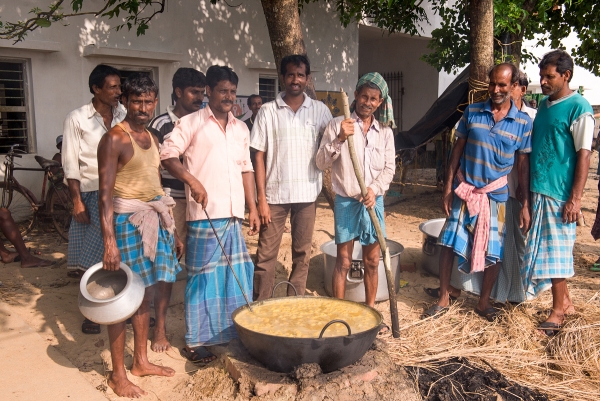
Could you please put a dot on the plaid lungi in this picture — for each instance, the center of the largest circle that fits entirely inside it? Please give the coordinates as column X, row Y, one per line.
column 129, row 241
column 212, row 293
column 352, row 220
column 85, row 247
column 549, row 252
column 458, row 230
column 508, row 286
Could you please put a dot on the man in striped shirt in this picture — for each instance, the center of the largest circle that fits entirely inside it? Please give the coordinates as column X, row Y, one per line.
column 488, row 136
column 286, row 135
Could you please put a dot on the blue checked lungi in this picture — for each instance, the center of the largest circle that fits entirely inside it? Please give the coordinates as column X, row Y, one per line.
column 212, row 293
column 85, row 240
column 458, row 230
column 129, row 241
column 549, row 252
column 352, row 220
column 508, row 286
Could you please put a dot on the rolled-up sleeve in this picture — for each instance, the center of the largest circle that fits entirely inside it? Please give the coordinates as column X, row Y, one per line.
column 71, row 148
column 330, row 147
column 383, row 180
column 178, row 142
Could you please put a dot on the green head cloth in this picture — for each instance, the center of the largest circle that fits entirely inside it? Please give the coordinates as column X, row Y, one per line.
column 386, row 110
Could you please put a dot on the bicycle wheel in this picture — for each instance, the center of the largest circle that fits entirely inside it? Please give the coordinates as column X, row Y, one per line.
column 22, row 211
column 60, row 208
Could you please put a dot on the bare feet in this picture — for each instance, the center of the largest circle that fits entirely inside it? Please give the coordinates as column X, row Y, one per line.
column 32, row 261
column 159, row 342
column 124, row 388
column 151, row 369
column 9, row 257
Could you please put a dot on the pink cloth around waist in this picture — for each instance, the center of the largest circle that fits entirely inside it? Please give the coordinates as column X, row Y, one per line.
column 146, row 216
column 478, row 204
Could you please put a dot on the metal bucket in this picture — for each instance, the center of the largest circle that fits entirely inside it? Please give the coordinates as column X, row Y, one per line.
column 430, row 250
column 355, row 288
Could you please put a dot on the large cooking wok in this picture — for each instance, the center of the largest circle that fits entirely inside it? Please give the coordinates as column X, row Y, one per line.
column 282, row 354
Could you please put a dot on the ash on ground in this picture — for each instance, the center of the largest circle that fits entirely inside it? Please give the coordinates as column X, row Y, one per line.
column 458, row 379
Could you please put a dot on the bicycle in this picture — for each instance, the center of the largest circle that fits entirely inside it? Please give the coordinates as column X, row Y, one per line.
column 23, row 204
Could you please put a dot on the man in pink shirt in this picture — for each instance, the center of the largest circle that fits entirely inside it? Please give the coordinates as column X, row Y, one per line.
column 218, row 175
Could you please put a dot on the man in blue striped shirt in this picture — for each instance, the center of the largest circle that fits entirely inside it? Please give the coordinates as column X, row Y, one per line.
column 488, row 136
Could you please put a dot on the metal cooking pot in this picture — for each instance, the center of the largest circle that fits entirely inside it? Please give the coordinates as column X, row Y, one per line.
column 355, row 288
column 282, row 354
column 430, row 258
column 109, row 297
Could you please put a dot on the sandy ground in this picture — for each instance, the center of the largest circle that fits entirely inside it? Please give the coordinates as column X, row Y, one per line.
column 47, row 300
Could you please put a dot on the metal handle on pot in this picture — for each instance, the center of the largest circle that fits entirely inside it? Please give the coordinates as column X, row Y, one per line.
column 356, row 273
column 429, row 245
column 281, row 282
column 333, row 322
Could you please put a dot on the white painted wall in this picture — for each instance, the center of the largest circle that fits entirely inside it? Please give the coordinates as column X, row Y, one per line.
column 191, row 33
column 400, row 52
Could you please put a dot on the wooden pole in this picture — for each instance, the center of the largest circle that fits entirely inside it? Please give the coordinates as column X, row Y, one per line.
column 378, row 231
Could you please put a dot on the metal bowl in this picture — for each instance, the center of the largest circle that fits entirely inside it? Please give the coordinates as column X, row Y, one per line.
column 109, row 297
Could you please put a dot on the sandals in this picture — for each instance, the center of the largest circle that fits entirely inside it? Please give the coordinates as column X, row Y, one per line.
column 595, row 267
column 198, row 355
column 550, row 329
column 435, row 293
column 385, row 329
column 435, row 311
column 89, row 327
column 490, row 314
column 75, row 273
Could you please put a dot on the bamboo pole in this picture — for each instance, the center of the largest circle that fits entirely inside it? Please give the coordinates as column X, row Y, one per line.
column 378, row 231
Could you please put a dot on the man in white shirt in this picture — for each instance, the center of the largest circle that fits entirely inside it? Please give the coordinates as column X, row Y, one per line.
column 375, row 153
column 286, row 135
column 82, row 131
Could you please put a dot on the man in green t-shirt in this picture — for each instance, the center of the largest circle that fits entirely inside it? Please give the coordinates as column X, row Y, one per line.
column 559, row 162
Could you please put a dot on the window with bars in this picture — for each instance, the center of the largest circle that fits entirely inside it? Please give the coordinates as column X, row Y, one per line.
column 267, row 88
column 14, row 111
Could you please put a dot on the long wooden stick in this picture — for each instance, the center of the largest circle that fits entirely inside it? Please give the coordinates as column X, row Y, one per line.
column 382, row 243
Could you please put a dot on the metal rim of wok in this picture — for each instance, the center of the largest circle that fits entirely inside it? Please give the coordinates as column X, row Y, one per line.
column 300, row 298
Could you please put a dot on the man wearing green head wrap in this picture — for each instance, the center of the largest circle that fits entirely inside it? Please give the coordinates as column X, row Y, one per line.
column 374, row 144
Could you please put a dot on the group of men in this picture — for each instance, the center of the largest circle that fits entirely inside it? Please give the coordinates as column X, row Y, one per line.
column 127, row 208
column 513, row 171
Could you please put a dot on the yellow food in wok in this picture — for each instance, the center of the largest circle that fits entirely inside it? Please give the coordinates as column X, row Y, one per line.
column 306, row 317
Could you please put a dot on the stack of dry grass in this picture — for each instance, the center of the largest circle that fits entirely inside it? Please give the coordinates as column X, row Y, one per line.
column 566, row 366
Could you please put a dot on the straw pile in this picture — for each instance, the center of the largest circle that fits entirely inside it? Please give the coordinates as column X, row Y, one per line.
column 566, row 366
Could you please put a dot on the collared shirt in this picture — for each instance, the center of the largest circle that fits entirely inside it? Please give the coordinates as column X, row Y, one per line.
column 490, row 149
column 216, row 156
column 82, row 131
column 290, row 141
column 161, row 126
column 513, row 177
column 374, row 150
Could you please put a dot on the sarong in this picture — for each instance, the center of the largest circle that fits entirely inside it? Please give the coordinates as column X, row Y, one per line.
column 549, row 252
column 212, row 293
column 508, row 286
column 457, row 233
column 85, row 240
column 352, row 220
column 129, row 241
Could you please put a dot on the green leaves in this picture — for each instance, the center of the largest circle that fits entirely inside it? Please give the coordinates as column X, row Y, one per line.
column 43, row 23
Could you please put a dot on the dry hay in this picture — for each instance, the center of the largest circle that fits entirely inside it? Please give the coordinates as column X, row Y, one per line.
column 566, row 366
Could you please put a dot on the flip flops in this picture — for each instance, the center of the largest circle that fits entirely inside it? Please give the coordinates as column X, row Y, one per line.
column 385, row 329
column 550, row 329
column 490, row 314
column 595, row 267
column 198, row 355
column 435, row 293
column 435, row 311
column 89, row 327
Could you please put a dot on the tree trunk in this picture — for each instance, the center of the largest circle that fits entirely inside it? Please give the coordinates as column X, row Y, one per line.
column 285, row 33
column 481, row 25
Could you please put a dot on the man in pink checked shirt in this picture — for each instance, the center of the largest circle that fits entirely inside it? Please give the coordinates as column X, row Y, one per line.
column 218, row 175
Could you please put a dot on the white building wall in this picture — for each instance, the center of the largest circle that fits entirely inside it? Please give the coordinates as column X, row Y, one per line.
column 191, row 33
